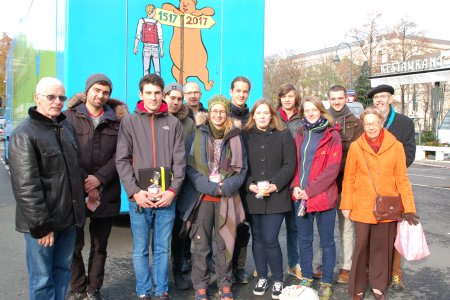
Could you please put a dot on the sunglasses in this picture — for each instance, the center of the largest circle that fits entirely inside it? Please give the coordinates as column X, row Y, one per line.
column 52, row 98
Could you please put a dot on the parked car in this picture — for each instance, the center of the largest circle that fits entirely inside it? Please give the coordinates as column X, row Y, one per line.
column 355, row 107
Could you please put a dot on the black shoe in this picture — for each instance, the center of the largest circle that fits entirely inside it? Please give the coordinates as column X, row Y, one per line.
column 76, row 296
column 95, row 295
column 242, row 276
column 164, row 296
column 180, row 282
column 277, row 289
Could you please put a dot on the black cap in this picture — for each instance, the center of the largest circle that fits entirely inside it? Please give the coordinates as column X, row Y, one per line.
column 381, row 89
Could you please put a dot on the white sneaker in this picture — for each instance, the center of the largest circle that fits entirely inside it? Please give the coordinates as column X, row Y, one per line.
column 277, row 289
column 260, row 287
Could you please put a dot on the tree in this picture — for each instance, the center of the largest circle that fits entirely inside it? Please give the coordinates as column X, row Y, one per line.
column 369, row 38
column 406, row 43
column 5, row 43
column 362, row 86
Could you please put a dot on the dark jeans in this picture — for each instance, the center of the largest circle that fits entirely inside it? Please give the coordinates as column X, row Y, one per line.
column 266, row 247
column 181, row 246
column 325, row 225
column 99, row 231
column 240, row 248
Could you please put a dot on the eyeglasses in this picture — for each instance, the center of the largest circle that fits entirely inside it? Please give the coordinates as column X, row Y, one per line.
column 52, row 98
column 196, row 93
column 382, row 97
column 218, row 112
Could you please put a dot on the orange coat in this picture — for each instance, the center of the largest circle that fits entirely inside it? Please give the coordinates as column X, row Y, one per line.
column 388, row 170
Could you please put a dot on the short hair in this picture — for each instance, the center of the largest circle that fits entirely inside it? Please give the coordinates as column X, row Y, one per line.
column 337, row 88
column 319, row 105
column 284, row 90
column 275, row 121
column 372, row 110
column 47, row 82
column 243, row 79
column 149, row 8
column 151, row 79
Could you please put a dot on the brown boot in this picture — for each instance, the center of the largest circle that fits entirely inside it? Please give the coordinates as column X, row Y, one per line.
column 343, row 276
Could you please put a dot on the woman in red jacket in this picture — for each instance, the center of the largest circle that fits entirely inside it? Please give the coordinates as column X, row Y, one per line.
column 319, row 153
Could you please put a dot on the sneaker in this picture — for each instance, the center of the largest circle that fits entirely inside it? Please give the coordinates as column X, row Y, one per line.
column 318, row 273
column 95, row 295
column 164, row 296
column 277, row 289
column 343, row 276
column 296, row 271
column 308, row 282
column 145, row 297
column 76, row 296
column 261, row 287
column 325, row 291
column 397, row 283
column 201, row 294
column 242, row 276
column 226, row 293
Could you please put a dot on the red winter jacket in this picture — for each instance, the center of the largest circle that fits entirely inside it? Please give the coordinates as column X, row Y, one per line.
column 322, row 189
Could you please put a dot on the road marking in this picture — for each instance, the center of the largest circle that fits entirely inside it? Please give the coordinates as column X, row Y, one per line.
column 436, row 177
column 433, row 187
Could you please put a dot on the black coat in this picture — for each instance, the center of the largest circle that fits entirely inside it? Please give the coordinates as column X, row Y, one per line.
column 272, row 157
column 98, row 149
column 45, row 175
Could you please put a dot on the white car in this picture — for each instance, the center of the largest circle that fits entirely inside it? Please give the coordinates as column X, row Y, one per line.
column 355, row 107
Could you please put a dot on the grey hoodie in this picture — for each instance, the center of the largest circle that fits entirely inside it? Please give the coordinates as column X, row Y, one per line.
column 138, row 135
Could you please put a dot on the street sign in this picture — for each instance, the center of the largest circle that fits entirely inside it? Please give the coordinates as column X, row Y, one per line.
column 351, row 95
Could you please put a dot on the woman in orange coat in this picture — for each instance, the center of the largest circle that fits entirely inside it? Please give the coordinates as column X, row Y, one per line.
column 379, row 152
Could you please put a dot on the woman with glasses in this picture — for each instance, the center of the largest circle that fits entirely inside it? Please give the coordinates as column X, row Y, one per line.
column 216, row 169
column 376, row 165
column 319, row 152
column 271, row 159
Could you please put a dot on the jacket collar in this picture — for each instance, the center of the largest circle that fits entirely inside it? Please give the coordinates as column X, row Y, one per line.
column 183, row 113
column 37, row 116
column 163, row 109
column 388, row 141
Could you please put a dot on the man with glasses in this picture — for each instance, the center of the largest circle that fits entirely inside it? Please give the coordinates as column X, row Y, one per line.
column 96, row 118
column 47, row 183
column 402, row 128
column 192, row 95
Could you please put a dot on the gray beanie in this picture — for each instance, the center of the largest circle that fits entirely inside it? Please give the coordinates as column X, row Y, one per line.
column 94, row 78
column 173, row 87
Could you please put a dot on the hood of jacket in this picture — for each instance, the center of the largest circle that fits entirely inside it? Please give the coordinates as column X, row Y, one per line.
column 163, row 109
column 183, row 113
column 120, row 108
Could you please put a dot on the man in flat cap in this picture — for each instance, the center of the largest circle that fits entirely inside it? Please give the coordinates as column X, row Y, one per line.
column 96, row 118
column 402, row 128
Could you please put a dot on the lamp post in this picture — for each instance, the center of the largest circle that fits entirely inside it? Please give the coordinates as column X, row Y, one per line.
column 337, row 60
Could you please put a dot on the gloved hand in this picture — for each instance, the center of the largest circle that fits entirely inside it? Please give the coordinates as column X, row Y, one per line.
column 411, row 218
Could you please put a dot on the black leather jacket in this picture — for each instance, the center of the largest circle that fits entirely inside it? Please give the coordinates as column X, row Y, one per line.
column 45, row 175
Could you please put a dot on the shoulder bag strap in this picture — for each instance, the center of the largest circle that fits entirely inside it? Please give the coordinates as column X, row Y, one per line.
column 368, row 170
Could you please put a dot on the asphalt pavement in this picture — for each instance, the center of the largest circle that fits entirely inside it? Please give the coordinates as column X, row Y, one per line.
column 425, row 279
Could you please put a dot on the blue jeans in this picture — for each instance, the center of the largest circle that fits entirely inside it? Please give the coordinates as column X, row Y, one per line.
column 161, row 219
column 325, row 225
column 266, row 247
column 292, row 238
column 49, row 268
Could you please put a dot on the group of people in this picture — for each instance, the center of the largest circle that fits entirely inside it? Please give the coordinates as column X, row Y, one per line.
column 200, row 180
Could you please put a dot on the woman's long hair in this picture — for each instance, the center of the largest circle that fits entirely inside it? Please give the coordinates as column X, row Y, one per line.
column 319, row 105
column 275, row 121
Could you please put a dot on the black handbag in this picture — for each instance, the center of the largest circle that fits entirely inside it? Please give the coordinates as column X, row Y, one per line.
column 386, row 208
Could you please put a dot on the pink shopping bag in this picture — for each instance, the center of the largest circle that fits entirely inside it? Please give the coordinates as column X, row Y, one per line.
column 410, row 241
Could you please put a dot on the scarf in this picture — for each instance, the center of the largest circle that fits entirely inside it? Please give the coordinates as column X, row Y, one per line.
column 318, row 123
column 217, row 133
column 231, row 211
column 340, row 116
column 375, row 144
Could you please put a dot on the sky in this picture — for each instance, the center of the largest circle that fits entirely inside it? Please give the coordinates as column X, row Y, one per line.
column 298, row 26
